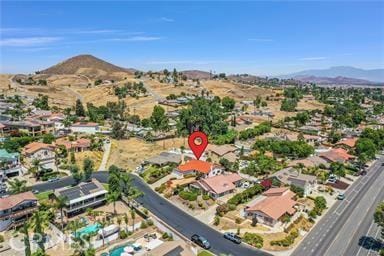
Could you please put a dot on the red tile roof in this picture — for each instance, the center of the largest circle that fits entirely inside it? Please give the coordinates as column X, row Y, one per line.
column 350, row 142
column 337, row 155
column 35, row 146
column 196, row 165
column 13, row 200
column 275, row 206
column 221, row 183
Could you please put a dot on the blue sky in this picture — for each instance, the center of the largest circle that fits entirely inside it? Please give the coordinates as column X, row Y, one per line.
column 264, row 38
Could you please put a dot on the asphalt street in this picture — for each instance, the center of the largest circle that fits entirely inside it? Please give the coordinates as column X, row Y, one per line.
column 173, row 216
column 338, row 233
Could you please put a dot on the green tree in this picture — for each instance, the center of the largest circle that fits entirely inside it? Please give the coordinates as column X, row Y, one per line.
column 228, row 103
column 17, row 186
column 118, row 130
column 39, row 222
column 88, row 168
column 79, row 108
column 75, row 172
column 60, row 204
column 48, row 138
column 113, row 197
column 367, row 147
column 133, row 216
column 27, row 244
column 158, row 119
column 379, row 216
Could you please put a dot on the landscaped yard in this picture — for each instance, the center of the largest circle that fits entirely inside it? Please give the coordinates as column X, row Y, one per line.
column 43, row 195
column 153, row 173
column 205, row 253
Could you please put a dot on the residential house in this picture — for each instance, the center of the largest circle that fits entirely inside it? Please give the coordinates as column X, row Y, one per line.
column 15, row 209
column 219, row 185
column 32, row 127
column 339, row 155
column 198, row 167
column 45, row 153
column 291, row 176
column 347, row 143
column 85, row 127
column 84, row 195
column 312, row 161
column 164, row 158
column 9, row 164
column 274, row 204
column 216, row 152
column 78, row 145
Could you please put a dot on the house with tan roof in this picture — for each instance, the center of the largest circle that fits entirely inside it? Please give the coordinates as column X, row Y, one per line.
column 15, row 209
column 78, row 145
column 198, row 167
column 220, row 185
column 85, row 127
column 216, row 152
column 272, row 206
column 347, row 143
column 339, row 155
column 43, row 152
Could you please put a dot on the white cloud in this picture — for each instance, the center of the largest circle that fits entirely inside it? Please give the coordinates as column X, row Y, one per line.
column 166, row 19
column 313, row 58
column 261, row 40
column 135, row 39
column 28, row 41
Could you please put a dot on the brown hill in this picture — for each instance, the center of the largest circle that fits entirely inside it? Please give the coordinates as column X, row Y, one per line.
column 197, row 74
column 84, row 65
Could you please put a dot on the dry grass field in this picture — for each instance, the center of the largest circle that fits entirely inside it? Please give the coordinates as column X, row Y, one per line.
column 129, row 153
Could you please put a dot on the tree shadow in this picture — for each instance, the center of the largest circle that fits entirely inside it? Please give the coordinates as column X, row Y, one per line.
column 370, row 243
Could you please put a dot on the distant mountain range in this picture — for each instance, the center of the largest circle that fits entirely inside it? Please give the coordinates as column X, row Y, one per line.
column 340, row 75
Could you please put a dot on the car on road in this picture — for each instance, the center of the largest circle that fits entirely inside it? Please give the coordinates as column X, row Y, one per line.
column 201, row 241
column 340, row 196
column 35, row 191
column 54, row 179
column 232, row 237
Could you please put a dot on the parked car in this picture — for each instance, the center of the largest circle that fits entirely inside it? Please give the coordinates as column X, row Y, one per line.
column 340, row 196
column 35, row 191
column 201, row 241
column 54, row 179
column 232, row 237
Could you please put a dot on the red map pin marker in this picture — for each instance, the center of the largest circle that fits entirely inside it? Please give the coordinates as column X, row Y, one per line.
column 197, row 148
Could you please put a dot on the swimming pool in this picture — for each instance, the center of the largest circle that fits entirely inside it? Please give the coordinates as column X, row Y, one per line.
column 118, row 250
column 88, row 229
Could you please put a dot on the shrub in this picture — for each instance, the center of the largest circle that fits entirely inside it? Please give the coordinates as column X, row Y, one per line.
column 143, row 225
column 288, row 240
column 206, row 197
column 123, row 234
column 238, row 220
column 1, row 238
column 188, row 195
column 253, row 239
column 222, row 209
column 246, row 195
column 150, row 222
column 216, row 221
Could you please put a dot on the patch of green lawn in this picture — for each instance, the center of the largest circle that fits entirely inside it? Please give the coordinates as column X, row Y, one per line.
column 43, row 195
column 205, row 253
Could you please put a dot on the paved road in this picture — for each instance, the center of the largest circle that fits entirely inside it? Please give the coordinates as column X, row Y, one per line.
column 176, row 218
column 155, row 95
column 106, row 153
column 339, row 231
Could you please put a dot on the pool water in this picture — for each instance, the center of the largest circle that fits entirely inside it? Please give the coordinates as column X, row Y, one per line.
column 119, row 250
column 88, row 229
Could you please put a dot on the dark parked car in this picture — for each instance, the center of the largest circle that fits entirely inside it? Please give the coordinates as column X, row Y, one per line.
column 232, row 237
column 201, row 241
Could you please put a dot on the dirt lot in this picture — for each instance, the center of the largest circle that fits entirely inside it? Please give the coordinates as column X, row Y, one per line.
column 238, row 92
column 129, row 153
column 96, row 157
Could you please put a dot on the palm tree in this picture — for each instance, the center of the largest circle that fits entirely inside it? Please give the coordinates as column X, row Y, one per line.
column 27, row 244
column 17, row 186
column 74, row 226
column 112, row 197
column 133, row 215
column 126, row 221
column 35, row 167
column 39, row 222
column 61, row 202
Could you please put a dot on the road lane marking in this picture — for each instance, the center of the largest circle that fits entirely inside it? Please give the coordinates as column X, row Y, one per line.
column 370, row 227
